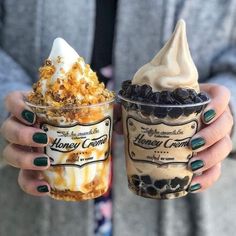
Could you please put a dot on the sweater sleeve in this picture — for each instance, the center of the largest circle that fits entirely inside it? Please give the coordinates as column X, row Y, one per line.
column 224, row 73
column 12, row 77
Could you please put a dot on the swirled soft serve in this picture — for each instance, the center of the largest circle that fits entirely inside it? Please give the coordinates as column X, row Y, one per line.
column 172, row 67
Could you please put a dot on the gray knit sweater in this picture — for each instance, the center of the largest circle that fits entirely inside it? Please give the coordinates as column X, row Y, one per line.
column 27, row 29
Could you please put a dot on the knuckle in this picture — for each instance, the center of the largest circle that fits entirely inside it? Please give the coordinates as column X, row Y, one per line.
column 18, row 134
column 21, row 135
column 16, row 160
column 8, row 99
column 15, row 157
column 208, row 183
column 5, row 153
column 228, row 143
column 23, row 183
column 218, row 172
column 212, row 154
column 229, row 118
column 218, row 167
column 19, row 162
column 226, row 91
column 215, row 175
column 3, row 127
column 23, row 186
column 213, row 135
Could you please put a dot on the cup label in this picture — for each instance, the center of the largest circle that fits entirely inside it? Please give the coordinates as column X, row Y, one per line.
column 160, row 143
column 78, row 144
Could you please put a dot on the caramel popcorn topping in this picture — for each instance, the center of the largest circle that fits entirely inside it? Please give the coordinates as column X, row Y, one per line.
column 79, row 86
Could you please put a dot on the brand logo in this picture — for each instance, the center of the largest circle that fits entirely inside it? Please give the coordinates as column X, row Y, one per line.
column 60, row 146
column 159, row 143
column 148, row 143
column 78, row 144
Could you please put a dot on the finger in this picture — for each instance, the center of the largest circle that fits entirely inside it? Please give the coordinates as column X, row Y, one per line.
column 220, row 97
column 15, row 104
column 117, row 127
column 117, row 111
column 211, row 156
column 18, row 133
column 20, row 158
column 30, row 183
column 213, row 132
column 206, row 180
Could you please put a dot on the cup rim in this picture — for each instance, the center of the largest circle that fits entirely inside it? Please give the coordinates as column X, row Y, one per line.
column 121, row 98
column 68, row 107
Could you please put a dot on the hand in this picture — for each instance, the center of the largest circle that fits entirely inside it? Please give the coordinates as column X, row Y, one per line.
column 118, row 128
column 212, row 143
column 23, row 138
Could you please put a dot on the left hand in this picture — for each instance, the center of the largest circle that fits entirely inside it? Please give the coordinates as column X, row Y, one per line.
column 212, row 143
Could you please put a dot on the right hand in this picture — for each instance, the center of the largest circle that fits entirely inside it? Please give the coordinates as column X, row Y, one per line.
column 24, row 140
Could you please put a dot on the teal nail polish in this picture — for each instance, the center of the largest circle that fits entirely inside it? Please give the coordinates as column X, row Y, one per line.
column 209, row 115
column 40, row 138
column 29, row 116
column 195, row 165
column 197, row 143
column 41, row 161
column 194, row 187
column 43, row 189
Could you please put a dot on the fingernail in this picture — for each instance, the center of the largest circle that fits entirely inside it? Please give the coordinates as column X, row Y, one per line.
column 194, row 187
column 43, row 189
column 197, row 143
column 195, row 165
column 40, row 138
column 209, row 115
column 28, row 116
column 41, row 161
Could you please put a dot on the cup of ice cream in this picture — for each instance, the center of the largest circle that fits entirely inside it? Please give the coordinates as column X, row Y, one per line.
column 161, row 111
column 76, row 112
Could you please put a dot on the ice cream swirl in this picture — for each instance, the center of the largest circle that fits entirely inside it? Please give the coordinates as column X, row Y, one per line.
column 172, row 67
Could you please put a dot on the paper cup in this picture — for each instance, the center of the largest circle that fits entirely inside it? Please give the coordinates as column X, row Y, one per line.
column 157, row 146
column 79, row 148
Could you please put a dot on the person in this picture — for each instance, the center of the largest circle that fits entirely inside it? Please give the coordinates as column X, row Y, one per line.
column 27, row 31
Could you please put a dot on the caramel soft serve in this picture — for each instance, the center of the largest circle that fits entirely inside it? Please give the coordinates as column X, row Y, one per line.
column 172, row 67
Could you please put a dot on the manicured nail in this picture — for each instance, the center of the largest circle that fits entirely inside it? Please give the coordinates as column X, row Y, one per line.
column 40, row 138
column 195, row 165
column 41, row 161
column 43, row 189
column 28, row 116
column 194, row 187
column 209, row 115
column 197, row 143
